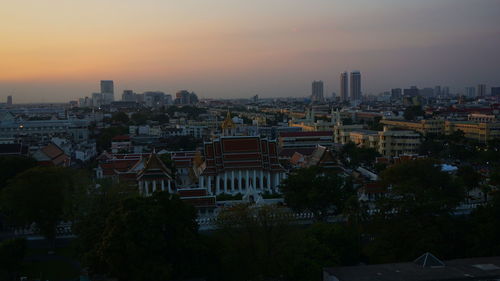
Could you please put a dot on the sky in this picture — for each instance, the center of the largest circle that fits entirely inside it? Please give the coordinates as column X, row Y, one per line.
column 59, row 50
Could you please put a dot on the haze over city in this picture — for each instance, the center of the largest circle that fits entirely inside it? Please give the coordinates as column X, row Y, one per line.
column 57, row 50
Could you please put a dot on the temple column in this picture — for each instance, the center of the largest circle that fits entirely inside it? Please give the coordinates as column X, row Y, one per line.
column 269, row 181
column 261, row 178
column 140, row 188
column 239, row 181
column 202, row 181
column 276, row 180
column 146, row 188
column 232, row 182
column 247, row 178
column 210, row 184
column 154, row 186
column 254, row 179
column 225, row 182
column 170, row 186
column 217, row 185
column 162, row 185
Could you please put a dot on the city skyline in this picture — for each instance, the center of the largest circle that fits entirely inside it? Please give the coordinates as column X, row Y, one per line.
column 226, row 52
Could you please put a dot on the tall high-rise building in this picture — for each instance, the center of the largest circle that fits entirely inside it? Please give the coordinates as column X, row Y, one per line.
column 470, row 92
column 411, row 92
column 446, row 91
column 481, row 90
column 107, row 91
column 9, row 100
column 495, row 91
column 317, row 91
column 437, row 91
column 355, row 86
column 107, row 86
column 185, row 97
column 129, row 95
column 344, row 86
column 396, row 93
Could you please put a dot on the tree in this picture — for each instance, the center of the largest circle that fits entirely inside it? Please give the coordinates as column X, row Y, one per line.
column 354, row 156
column 104, row 137
column 41, row 195
column 120, row 117
column 89, row 223
column 140, row 118
column 268, row 244
column 12, row 253
column 149, row 238
column 486, row 228
column 13, row 165
column 416, row 215
column 412, row 112
column 420, row 187
column 469, row 177
column 316, row 190
column 182, row 143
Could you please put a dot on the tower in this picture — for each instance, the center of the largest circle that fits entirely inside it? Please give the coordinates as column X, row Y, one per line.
column 317, row 91
column 355, row 86
column 228, row 127
column 344, row 86
column 107, row 91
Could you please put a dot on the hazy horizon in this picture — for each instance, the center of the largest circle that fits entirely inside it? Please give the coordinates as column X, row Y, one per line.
column 59, row 50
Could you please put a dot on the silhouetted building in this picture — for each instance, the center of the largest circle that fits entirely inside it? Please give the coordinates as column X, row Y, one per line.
column 427, row 92
column 355, row 86
column 154, row 99
column 411, row 92
column 185, row 97
column 437, row 90
column 470, row 92
column 344, row 86
column 107, row 91
column 317, row 91
column 9, row 100
column 481, row 90
column 495, row 91
column 396, row 93
column 107, row 86
column 446, row 91
column 129, row 95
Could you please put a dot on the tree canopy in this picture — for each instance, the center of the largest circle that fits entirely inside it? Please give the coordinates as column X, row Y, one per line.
column 147, row 238
column 316, row 190
column 43, row 195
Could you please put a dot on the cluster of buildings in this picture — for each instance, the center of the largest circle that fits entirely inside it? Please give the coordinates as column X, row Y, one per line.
column 151, row 99
column 349, row 92
column 244, row 148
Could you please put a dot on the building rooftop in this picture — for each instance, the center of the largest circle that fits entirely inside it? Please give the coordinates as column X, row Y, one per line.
column 486, row 268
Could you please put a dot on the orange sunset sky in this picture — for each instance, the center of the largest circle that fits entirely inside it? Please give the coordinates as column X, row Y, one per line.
column 57, row 50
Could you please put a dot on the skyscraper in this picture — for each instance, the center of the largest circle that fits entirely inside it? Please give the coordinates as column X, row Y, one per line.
column 129, row 95
column 445, row 91
column 355, row 86
column 317, row 91
column 9, row 100
column 481, row 90
column 437, row 91
column 495, row 91
column 107, row 91
column 470, row 92
column 344, row 86
column 107, row 86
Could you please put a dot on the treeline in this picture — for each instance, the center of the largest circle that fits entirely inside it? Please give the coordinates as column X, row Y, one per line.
column 125, row 236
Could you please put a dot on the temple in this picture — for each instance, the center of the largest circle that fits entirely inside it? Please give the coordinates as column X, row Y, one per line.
column 234, row 164
column 155, row 176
